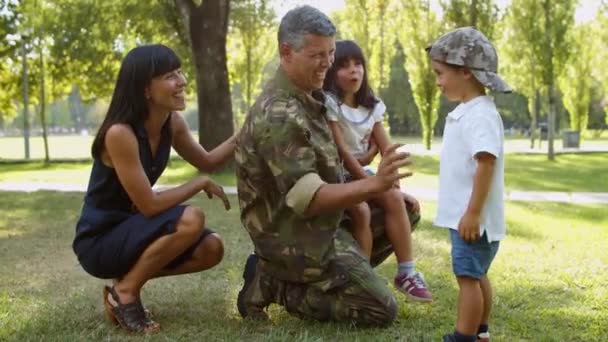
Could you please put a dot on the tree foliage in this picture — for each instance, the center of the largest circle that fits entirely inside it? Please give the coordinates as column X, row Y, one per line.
column 537, row 50
column 251, row 44
column 420, row 28
column 600, row 34
column 373, row 25
column 482, row 14
column 403, row 117
column 575, row 81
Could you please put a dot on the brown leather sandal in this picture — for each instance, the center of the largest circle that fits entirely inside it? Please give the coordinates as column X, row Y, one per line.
column 108, row 306
column 131, row 317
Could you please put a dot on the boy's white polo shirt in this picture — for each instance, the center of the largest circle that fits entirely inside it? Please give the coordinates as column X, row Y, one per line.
column 472, row 127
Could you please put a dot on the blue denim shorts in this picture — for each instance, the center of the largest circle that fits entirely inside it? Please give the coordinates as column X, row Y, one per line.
column 472, row 259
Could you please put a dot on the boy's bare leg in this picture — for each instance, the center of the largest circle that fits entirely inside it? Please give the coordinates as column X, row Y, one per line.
column 486, row 291
column 470, row 306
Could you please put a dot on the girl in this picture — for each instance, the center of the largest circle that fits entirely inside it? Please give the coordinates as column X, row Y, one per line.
column 357, row 128
column 127, row 231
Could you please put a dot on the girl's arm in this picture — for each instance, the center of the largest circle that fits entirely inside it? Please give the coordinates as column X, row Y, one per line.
column 381, row 137
column 350, row 162
column 122, row 154
column 189, row 149
column 369, row 156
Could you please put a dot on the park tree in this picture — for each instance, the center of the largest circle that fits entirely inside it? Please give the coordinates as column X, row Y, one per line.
column 8, row 49
column 600, row 35
column 536, row 49
column 206, row 24
column 403, row 117
column 196, row 30
column 575, row 81
column 252, row 42
column 373, row 25
column 23, row 63
column 420, row 27
column 558, row 19
column 482, row 14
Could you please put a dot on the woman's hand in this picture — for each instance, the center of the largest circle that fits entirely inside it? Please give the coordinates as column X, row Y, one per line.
column 211, row 188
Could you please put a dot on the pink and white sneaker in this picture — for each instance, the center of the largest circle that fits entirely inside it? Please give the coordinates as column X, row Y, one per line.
column 414, row 287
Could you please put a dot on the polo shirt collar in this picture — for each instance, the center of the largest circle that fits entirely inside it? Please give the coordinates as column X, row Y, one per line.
column 465, row 107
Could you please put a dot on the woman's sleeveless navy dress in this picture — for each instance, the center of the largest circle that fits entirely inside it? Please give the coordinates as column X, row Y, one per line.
column 111, row 234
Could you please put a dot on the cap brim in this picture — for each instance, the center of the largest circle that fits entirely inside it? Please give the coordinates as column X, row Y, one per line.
column 492, row 81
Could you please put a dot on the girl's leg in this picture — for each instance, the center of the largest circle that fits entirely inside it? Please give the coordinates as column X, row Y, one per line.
column 360, row 227
column 398, row 231
column 397, row 224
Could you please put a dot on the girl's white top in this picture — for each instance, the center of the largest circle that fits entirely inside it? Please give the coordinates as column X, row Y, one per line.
column 356, row 124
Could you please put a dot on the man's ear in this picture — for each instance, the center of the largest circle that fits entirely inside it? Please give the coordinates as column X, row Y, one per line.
column 285, row 51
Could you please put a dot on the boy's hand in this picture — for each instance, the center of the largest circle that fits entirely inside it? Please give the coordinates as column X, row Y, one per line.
column 468, row 227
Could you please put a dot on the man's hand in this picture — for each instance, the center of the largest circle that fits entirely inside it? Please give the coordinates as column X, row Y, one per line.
column 388, row 170
column 468, row 227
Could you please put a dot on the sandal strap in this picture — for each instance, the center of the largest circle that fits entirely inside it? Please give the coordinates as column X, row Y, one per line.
column 131, row 316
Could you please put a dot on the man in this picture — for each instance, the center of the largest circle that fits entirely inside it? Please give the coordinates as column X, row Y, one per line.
column 292, row 196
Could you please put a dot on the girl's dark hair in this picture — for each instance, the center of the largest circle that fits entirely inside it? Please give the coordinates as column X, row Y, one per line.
column 345, row 51
column 128, row 104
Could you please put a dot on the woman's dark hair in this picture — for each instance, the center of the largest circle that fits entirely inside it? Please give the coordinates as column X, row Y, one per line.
column 345, row 51
column 128, row 104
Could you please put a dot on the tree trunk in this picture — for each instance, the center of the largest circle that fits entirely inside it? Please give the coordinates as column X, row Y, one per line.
column 248, row 93
column 26, row 114
column 534, row 111
column 207, row 27
column 549, row 79
column 551, row 123
column 382, row 11
column 474, row 13
column 43, row 110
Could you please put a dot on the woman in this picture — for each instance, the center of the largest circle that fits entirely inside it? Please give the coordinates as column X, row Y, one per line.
column 127, row 231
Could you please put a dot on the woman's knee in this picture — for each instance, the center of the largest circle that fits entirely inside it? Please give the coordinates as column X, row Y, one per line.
column 192, row 222
column 211, row 250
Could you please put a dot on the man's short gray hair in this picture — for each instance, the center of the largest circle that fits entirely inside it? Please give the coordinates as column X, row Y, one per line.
column 301, row 21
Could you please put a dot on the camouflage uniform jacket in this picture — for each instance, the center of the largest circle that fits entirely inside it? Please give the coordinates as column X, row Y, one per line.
column 285, row 153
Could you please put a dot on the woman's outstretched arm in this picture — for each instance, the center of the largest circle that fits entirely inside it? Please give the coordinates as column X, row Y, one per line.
column 192, row 152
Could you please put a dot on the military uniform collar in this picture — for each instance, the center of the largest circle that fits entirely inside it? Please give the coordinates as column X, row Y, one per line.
column 315, row 100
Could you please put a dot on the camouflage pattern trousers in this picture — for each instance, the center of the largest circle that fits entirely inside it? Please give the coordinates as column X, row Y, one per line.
column 349, row 291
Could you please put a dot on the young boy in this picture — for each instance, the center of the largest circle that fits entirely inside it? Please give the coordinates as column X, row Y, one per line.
column 471, row 177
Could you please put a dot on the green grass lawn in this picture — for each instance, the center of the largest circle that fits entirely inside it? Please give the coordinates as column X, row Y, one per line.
column 571, row 172
column 550, row 279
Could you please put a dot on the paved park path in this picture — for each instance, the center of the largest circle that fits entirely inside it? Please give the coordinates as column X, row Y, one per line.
column 427, row 194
